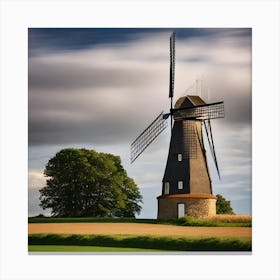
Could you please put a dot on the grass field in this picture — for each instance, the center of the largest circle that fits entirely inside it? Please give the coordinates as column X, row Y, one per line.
column 136, row 242
column 216, row 221
column 67, row 248
column 165, row 243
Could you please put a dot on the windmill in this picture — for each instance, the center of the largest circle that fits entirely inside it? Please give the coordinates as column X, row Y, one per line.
column 186, row 184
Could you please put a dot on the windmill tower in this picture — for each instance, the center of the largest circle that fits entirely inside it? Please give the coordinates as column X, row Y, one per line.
column 186, row 184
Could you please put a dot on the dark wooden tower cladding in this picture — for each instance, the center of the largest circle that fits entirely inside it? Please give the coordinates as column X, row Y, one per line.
column 186, row 184
column 186, row 169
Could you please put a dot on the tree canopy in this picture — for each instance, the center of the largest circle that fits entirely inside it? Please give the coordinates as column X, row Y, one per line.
column 223, row 206
column 83, row 183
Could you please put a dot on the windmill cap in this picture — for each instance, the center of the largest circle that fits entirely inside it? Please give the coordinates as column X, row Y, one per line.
column 189, row 101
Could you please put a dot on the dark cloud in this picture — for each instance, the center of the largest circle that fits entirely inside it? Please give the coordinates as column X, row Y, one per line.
column 74, row 76
column 67, row 131
column 56, row 39
column 109, row 94
column 238, row 105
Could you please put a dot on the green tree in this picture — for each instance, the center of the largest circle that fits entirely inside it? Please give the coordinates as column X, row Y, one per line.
column 83, row 183
column 223, row 206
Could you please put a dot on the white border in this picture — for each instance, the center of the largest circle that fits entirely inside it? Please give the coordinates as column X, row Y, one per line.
column 17, row 16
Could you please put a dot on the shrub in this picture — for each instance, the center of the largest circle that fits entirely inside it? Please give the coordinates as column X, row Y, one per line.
column 223, row 206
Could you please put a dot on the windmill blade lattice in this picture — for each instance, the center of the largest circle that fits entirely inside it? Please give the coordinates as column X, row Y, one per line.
column 172, row 65
column 209, row 135
column 203, row 112
column 147, row 136
column 172, row 73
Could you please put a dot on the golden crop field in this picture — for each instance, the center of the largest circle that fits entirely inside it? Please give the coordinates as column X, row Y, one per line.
column 231, row 218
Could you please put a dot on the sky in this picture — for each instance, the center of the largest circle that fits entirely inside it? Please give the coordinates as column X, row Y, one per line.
column 100, row 88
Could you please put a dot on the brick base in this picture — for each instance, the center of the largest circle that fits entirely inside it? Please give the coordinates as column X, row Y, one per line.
column 196, row 205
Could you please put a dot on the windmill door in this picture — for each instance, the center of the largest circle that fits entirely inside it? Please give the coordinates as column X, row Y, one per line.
column 181, row 210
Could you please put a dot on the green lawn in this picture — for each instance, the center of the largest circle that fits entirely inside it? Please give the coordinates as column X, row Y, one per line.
column 62, row 248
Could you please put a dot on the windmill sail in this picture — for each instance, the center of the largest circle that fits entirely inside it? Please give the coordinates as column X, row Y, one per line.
column 202, row 112
column 209, row 135
column 147, row 136
column 172, row 73
column 172, row 65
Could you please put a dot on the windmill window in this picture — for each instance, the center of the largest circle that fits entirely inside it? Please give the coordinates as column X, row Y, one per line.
column 180, row 185
column 179, row 157
column 166, row 188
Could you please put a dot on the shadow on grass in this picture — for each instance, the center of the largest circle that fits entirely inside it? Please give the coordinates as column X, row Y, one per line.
column 145, row 242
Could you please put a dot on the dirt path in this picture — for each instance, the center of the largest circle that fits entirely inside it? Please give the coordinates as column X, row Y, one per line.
column 139, row 229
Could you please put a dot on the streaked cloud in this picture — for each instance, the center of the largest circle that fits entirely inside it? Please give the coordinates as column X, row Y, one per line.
column 87, row 95
column 102, row 94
